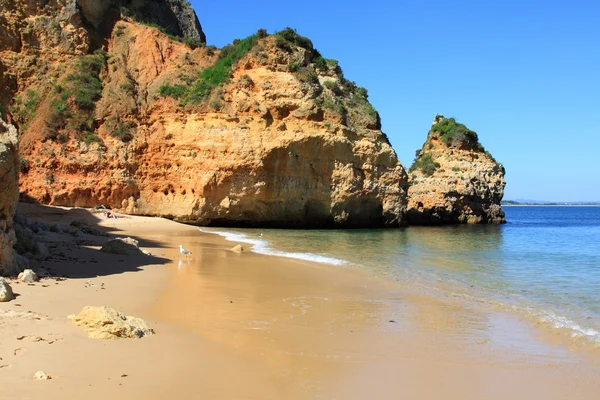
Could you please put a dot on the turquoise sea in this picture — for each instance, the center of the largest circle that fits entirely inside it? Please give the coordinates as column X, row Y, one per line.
column 544, row 263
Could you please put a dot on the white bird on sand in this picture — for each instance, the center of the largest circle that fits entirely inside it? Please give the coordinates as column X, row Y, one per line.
column 184, row 251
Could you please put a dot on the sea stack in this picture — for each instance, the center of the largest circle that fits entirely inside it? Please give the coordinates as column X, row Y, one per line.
column 454, row 180
column 133, row 116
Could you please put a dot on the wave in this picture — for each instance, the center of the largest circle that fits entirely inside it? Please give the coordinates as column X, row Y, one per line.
column 577, row 331
column 261, row 246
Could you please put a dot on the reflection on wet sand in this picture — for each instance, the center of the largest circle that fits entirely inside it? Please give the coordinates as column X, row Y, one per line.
column 288, row 316
column 317, row 331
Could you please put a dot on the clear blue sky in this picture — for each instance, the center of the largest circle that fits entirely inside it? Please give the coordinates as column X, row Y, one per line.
column 525, row 75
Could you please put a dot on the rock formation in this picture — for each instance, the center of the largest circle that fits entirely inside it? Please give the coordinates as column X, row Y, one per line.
column 107, row 323
column 454, row 180
column 124, row 116
column 9, row 194
column 6, row 293
column 28, row 276
column 125, row 246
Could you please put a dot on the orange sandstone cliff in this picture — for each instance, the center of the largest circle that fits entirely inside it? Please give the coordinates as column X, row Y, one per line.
column 119, row 113
column 454, row 180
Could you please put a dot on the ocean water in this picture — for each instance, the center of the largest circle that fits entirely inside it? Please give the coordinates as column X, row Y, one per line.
column 544, row 263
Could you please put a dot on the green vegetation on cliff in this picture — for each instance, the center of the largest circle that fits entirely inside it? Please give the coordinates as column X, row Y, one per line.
column 73, row 105
column 342, row 96
column 425, row 163
column 24, row 108
column 213, row 76
column 454, row 133
column 321, row 78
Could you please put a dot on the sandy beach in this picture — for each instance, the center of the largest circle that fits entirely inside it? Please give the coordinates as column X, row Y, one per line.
column 247, row 326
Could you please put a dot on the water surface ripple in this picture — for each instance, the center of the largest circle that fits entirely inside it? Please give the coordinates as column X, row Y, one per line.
column 545, row 262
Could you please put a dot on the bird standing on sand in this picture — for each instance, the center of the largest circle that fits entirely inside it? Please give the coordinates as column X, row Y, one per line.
column 184, row 251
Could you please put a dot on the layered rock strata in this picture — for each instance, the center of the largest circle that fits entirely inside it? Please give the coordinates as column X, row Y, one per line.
column 284, row 141
column 454, row 180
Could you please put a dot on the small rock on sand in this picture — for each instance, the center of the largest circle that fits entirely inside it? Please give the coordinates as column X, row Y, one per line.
column 127, row 246
column 41, row 376
column 106, row 323
column 28, row 276
column 6, row 293
column 237, row 249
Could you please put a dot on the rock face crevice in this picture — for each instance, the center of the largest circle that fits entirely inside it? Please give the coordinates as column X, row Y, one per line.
column 9, row 194
column 454, row 180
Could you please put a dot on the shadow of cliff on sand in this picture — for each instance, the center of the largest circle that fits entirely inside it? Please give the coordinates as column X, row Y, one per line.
column 74, row 254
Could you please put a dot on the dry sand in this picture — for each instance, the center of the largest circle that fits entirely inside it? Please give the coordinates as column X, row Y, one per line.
column 247, row 326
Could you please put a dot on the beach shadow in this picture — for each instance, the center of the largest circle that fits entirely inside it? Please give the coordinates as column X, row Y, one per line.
column 77, row 255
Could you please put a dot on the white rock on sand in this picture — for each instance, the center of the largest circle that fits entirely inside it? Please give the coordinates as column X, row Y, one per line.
column 127, row 246
column 237, row 249
column 107, row 323
column 28, row 276
column 6, row 293
column 41, row 376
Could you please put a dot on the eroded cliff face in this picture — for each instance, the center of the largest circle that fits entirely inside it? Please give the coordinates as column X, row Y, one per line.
column 454, row 180
column 9, row 194
column 175, row 17
column 284, row 140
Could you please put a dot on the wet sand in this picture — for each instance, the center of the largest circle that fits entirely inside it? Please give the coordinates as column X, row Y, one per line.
column 248, row 326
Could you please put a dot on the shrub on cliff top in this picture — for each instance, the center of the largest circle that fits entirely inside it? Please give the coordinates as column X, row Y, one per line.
column 452, row 132
column 262, row 33
column 290, row 35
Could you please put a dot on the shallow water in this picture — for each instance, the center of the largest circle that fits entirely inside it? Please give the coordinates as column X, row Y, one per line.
column 544, row 263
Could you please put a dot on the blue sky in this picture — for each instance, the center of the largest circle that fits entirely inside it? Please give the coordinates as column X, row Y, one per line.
column 525, row 75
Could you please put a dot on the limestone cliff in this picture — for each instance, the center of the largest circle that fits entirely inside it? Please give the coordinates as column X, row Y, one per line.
column 263, row 132
column 9, row 195
column 454, row 180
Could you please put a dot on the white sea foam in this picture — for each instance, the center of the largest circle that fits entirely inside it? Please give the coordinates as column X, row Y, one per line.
column 261, row 246
column 577, row 331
